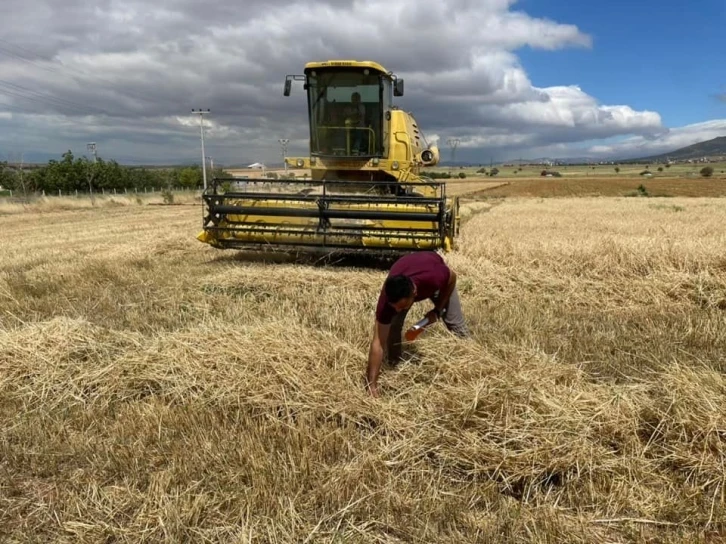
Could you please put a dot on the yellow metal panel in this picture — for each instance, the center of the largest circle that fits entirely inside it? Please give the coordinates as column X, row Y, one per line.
column 338, row 63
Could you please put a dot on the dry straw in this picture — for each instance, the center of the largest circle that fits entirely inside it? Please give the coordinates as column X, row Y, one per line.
column 153, row 389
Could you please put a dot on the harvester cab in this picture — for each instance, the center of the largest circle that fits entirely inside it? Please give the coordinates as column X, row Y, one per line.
column 360, row 187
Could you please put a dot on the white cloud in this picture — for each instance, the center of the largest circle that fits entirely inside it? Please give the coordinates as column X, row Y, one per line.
column 670, row 140
column 127, row 74
column 570, row 109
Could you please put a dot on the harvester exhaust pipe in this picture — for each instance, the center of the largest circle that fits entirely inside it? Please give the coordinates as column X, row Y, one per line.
column 430, row 156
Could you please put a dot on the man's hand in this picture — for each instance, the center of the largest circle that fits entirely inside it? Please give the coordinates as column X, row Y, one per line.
column 372, row 390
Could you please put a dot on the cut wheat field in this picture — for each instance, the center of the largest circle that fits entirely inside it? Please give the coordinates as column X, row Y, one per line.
column 153, row 389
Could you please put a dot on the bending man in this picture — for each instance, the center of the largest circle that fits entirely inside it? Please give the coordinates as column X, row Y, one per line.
column 412, row 278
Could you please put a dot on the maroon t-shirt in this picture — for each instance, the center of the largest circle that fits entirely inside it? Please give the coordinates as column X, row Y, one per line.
column 428, row 272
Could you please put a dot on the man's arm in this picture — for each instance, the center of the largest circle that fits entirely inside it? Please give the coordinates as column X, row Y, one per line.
column 375, row 356
column 445, row 294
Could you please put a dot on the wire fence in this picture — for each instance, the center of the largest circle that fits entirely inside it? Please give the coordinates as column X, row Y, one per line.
column 150, row 191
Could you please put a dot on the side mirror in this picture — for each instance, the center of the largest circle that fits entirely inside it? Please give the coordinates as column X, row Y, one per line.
column 288, row 82
column 398, row 88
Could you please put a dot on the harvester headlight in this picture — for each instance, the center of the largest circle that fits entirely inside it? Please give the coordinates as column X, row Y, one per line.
column 395, row 165
column 300, row 163
column 375, row 161
column 427, row 155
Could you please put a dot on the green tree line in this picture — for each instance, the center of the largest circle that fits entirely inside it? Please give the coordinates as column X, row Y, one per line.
column 71, row 174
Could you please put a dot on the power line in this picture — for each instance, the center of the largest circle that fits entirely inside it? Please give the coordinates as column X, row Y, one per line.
column 92, row 148
column 81, row 78
column 283, row 143
column 65, row 71
column 44, row 97
column 453, row 143
column 10, row 53
column 13, row 108
column 15, row 94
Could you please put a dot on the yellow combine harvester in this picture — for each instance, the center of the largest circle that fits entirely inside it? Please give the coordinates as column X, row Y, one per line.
column 365, row 192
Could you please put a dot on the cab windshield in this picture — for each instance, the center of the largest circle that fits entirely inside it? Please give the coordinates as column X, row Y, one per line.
column 346, row 112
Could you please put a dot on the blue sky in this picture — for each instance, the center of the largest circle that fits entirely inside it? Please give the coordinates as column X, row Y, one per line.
column 666, row 55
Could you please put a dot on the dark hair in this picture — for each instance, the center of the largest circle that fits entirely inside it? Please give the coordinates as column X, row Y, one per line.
column 398, row 287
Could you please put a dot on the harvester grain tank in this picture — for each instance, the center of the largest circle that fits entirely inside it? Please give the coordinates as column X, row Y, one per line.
column 365, row 192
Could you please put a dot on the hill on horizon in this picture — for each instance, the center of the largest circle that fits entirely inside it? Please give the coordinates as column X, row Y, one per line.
column 710, row 148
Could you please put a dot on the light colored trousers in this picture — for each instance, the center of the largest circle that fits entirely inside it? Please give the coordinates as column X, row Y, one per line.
column 453, row 319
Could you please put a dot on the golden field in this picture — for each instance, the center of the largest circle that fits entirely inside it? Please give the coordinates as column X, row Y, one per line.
column 153, row 389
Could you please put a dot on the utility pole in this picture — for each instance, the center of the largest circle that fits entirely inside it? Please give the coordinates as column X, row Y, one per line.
column 453, row 142
column 283, row 143
column 204, row 155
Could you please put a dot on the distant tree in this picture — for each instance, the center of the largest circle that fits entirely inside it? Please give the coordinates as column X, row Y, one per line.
column 191, row 177
column 668, row 165
column 85, row 175
column 7, row 177
column 617, row 169
column 707, row 171
column 462, row 175
column 660, row 169
column 436, row 175
column 494, row 172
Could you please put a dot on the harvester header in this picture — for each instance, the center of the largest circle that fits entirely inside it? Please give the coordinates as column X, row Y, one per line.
column 359, row 187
